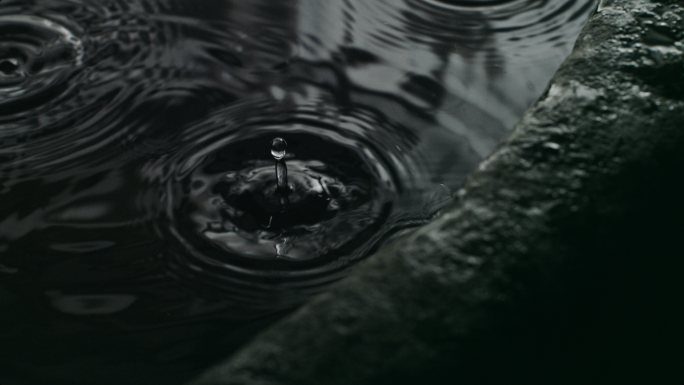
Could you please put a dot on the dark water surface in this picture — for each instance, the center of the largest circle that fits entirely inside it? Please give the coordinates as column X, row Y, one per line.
column 142, row 233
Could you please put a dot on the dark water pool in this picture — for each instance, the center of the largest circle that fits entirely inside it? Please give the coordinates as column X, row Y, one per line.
column 142, row 232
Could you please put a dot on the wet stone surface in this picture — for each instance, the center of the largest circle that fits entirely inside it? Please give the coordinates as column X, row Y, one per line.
column 559, row 261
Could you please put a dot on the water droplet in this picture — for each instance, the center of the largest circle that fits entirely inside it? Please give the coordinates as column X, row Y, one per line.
column 278, row 148
column 281, row 176
column 337, row 206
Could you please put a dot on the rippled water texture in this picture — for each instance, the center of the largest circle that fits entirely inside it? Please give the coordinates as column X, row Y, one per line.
column 143, row 231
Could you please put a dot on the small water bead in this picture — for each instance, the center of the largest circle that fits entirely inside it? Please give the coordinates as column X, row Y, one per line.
column 278, row 148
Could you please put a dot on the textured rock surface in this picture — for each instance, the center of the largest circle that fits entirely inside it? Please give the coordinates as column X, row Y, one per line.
column 560, row 260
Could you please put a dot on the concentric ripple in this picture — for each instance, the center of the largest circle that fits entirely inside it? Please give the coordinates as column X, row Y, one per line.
column 36, row 55
column 53, row 78
column 37, row 58
column 143, row 208
column 469, row 2
column 349, row 187
column 485, row 58
column 78, row 78
column 525, row 21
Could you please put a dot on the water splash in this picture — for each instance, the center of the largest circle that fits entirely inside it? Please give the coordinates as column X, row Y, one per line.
column 140, row 207
column 281, row 178
column 348, row 188
column 278, row 150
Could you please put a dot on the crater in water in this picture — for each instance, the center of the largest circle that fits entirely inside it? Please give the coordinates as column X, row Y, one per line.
column 330, row 195
column 351, row 182
column 37, row 58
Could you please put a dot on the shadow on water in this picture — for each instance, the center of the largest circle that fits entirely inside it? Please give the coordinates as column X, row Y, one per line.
column 142, row 233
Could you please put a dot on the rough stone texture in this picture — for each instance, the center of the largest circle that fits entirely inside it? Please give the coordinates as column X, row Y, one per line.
column 560, row 260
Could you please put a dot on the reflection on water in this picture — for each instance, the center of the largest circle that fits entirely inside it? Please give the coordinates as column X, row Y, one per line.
column 143, row 230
